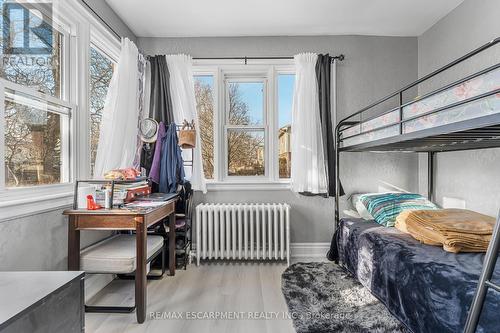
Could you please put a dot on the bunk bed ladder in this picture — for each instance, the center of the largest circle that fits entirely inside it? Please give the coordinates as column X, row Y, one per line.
column 485, row 282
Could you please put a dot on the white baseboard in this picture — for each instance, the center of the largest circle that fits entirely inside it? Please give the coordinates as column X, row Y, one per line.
column 95, row 283
column 309, row 250
column 299, row 250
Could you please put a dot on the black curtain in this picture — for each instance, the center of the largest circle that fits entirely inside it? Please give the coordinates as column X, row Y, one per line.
column 161, row 101
column 160, row 105
column 323, row 76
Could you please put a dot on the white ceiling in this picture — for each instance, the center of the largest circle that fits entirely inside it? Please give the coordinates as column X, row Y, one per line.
column 173, row 18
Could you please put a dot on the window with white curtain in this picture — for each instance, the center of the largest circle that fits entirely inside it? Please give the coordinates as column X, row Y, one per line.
column 47, row 116
column 245, row 117
column 100, row 73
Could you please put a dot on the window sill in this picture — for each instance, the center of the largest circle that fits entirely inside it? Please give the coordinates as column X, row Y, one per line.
column 14, row 206
column 247, row 186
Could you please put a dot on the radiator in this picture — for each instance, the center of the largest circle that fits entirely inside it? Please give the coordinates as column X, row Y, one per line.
column 243, row 232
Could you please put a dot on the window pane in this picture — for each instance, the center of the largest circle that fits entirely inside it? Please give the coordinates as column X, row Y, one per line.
column 285, row 99
column 246, row 153
column 31, row 54
column 204, row 92
column 246, row 103
column 35, row 151
column 101, row 71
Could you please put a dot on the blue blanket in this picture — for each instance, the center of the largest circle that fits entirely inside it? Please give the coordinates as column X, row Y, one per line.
column 426, row 288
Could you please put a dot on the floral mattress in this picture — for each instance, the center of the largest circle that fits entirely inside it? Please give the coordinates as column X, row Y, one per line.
column 416, row 119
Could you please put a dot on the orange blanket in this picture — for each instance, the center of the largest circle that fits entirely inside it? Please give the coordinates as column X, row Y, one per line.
column 457, row 230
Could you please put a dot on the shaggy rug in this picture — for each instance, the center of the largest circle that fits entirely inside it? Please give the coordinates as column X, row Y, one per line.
column 322, row 298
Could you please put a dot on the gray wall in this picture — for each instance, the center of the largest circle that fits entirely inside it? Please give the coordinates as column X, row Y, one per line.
column 374, row 66
column 107, row 14
column 471, row 176
column 38, row 242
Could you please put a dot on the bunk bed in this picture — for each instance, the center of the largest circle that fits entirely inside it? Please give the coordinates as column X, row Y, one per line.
column 426, row 288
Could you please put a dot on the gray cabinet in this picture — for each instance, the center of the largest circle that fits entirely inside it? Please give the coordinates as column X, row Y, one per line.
column 42, row 302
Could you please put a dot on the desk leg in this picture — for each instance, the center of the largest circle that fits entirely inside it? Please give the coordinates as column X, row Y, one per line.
column 73, row 244
column 140, row 272
column 171, row 244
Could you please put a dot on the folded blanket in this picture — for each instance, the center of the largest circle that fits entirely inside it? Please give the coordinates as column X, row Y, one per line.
column 457, row 230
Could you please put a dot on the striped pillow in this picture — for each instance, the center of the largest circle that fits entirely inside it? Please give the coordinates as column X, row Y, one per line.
column 385, row 207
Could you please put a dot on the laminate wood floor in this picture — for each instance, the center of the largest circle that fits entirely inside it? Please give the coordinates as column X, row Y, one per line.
column 212, row 289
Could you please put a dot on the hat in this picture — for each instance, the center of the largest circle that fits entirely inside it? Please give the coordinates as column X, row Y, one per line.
column 148, row 130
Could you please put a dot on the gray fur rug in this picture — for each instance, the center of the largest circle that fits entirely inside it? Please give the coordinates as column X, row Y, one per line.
column 322, row 298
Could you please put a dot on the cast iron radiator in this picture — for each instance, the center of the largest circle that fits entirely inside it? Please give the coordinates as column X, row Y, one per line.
column 243, row 232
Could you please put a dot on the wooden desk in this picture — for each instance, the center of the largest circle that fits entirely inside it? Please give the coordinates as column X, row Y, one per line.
column 123, row 219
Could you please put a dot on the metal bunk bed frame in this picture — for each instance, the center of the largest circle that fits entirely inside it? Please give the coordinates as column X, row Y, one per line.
column 477, row 133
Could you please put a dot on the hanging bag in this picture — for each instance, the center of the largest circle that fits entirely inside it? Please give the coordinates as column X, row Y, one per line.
column 187, row 135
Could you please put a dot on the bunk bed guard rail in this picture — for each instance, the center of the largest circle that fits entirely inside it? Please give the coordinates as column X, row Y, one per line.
column 352, row 127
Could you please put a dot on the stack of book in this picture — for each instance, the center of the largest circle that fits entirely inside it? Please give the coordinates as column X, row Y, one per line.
column 124, row 192
column 133, row 189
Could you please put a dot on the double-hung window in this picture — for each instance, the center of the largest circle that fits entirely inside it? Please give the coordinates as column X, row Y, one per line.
column 35, row 107
column 245, row 128
column 245, row 123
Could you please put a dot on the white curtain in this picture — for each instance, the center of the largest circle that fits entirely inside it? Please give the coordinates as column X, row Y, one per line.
column 308, row 168
column 184, row 107
column 118, row 132
column 147, row 90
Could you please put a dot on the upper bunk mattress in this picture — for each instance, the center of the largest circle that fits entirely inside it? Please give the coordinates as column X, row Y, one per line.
column 426, row 288
column 479, row 95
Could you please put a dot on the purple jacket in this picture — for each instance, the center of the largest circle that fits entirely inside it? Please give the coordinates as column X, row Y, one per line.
column 154, row 173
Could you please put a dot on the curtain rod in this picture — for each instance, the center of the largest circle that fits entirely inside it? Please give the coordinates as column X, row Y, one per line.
column 339, row 58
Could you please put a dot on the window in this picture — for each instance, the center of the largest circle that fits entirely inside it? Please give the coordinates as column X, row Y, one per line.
column 204, row 92
column 285, row 98
column 36, row 114
column 245, row 122
column 36, row 139
column 101, row 71
column 245, row 127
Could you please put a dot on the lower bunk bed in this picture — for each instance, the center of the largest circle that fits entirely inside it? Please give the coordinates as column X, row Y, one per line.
column 426, row 288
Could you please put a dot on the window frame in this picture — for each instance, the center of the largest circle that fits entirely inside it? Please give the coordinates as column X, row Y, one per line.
column 80, row 30
column 220, row 70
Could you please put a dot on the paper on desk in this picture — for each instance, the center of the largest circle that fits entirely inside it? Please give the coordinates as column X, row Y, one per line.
column 144, row 204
